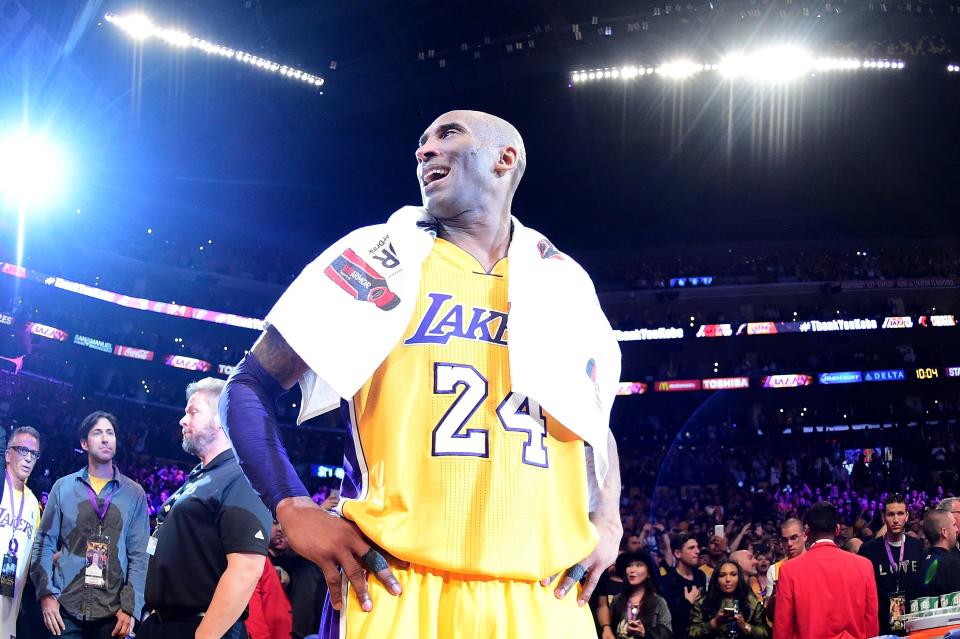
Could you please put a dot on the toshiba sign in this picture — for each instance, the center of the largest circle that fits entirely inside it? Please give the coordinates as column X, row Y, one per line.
column 726, row 383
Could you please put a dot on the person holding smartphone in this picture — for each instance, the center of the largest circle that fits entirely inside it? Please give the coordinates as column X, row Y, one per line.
column 639, row 611
column 728, row 609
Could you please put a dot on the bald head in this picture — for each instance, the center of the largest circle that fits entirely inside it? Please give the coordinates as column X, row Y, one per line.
column 746, row 561
column 853, row 545
column 495, row 133
column 469, row 161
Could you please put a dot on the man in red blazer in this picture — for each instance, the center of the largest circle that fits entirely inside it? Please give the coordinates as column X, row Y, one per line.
column 826, row 593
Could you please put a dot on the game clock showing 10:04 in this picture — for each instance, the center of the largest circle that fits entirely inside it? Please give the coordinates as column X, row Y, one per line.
column 928, row 373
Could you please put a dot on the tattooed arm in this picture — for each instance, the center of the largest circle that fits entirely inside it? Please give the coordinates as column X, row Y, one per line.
column 248, row 411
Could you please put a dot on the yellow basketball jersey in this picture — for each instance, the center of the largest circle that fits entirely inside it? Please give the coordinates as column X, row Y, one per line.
column 452, row 470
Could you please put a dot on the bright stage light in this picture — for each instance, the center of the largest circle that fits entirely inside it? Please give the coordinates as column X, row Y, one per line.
column 140, row 27
column 137, row 26
column 771, row 65
column 32, row 169
column 775, row 64
column 679, row 69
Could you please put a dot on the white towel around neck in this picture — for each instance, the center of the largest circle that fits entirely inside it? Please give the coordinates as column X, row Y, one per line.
column 562, row 350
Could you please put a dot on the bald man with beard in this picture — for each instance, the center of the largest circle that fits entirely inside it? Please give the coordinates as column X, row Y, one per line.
column 475, row 510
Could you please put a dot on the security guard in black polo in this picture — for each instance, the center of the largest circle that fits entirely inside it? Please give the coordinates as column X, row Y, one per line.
column 208, row 549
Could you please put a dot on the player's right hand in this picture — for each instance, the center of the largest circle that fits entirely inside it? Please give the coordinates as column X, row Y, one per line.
column 50, row 607
column 332, row 543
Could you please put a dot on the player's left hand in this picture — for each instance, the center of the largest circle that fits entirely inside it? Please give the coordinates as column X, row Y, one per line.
column 593, row 566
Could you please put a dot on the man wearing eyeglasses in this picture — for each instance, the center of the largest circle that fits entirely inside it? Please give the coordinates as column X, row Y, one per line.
column 19, row 516
column 793, row 540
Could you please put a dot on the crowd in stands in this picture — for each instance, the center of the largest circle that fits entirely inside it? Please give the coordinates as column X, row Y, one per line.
column 653, row 269
column 679, row 490
column 747, row 471
column 680, row 481
column 258, row 274
column 682, row 478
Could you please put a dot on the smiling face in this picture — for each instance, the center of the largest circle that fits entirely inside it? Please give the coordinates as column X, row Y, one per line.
column 637, row 573
column 467, row 162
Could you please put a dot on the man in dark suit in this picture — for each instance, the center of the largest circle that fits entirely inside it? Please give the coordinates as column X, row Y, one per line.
column 826, row 593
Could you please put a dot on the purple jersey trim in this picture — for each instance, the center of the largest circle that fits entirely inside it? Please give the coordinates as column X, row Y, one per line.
column 352, row 484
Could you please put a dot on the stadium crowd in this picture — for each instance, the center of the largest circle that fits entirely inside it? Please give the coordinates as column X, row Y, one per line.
column 712, row 506
column 175, row 270
column 682, row 484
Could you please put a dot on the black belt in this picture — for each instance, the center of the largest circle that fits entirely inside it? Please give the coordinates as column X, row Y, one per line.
column 164, row 615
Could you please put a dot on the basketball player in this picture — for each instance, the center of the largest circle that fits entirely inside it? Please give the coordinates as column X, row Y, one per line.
column 477, row 495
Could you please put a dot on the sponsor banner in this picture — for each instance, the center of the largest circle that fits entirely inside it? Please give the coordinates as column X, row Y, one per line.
column 816, row 326
column 938, row 320
column 47, row 331
column 95, row 344
column 649, row 334
column 927, row 373
column 899, row 321
column 844, row 377
column 187, row 363
column 786, row 381
column 632, row 388
column 916, row 282
column 726, row 383
column 319, row 470
column 683, row 282
column 133, row 353
column 891, row 375
column 715, row 330
column 758, row 328
column 225, row 369
column 13, row 269
column 163, row 308
column 952, row 371
column 675, row 385
column 6, row 319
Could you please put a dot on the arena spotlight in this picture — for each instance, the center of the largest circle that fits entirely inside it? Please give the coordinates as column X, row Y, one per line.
column 32, row 172
column 32, row 169
column 141, row 28
column 679, row 69
column 773, row 65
